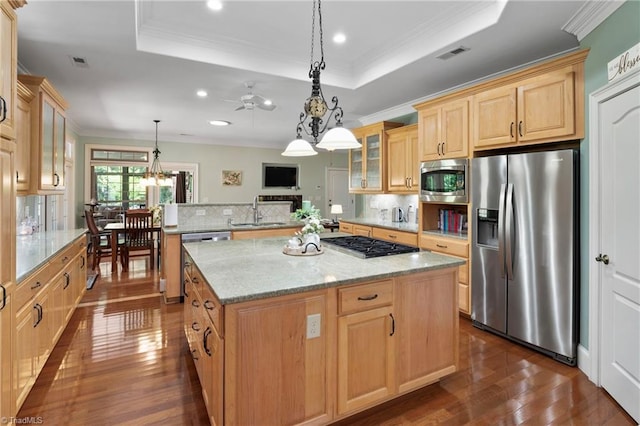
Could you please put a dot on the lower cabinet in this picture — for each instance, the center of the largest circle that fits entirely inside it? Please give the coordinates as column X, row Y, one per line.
column 6, row 327
column 319, row 356
column 43, row 304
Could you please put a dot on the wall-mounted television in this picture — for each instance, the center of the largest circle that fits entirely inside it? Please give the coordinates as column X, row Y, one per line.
column 279, row 175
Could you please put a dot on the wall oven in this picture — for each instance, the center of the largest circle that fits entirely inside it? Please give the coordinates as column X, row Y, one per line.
column 445, row 181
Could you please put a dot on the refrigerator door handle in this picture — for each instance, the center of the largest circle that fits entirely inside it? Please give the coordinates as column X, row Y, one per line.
column 509, row 222
column 501, row 211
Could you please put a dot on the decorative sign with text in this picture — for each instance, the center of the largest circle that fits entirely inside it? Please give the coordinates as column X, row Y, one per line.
column 629, row 61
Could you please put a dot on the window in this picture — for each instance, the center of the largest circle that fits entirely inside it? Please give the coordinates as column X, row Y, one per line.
column 118, row 186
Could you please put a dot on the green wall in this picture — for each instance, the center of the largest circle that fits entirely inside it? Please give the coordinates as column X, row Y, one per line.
column 212, row 159
column 614, row 36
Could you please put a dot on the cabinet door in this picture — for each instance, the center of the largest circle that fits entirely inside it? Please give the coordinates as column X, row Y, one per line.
column 59, row 143
column 413, row 161
column 6, row 346
column 430, row 140
column 364, row 231
column 398, row 150
column 275, row 373
column 47, row 152
column 7, row 212
column 427, row 337
column 494, row 113
column 365, row 358
column 546, row 107
column 23, row 144
column 356, row 166
column 8, row 67
column 213, row 359
column 373, row 167
column 25, row 351
column 454, row 129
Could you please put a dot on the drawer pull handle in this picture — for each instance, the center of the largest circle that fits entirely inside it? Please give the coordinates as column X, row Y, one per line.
column 210, row 307
column 195, row 326
column 67, row 279
column 4, row 297
column 369, row 297
column 205, row 342
column 194, row 280
column 392, row 236
column 194, row 354
column 195, row 304
column 393, row 325
column 442, row 246
column 36, row 285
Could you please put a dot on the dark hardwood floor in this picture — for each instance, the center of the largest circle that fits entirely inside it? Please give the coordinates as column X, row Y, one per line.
column 123, row 360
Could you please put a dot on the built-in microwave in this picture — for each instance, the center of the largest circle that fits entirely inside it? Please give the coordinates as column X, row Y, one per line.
column 445, row 181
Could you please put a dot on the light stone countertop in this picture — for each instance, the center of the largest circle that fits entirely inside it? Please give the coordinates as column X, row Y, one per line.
column 34, row 250
column 397, row 226
column 241, row 270
column 223, row 227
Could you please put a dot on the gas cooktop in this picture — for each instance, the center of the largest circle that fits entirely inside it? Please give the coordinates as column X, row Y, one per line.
column 366, row 247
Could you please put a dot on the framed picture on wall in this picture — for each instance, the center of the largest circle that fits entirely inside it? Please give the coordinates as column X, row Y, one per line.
column 232, row 177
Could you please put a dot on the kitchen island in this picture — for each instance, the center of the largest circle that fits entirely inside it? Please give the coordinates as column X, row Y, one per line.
column 279, row 339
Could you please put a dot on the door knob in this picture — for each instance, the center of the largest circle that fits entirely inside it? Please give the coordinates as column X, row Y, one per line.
column 604, row 259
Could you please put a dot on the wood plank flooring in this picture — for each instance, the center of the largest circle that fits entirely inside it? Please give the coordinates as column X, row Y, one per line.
column 123, row 360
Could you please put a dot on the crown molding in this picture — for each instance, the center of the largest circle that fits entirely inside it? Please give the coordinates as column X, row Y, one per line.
column 589, row 16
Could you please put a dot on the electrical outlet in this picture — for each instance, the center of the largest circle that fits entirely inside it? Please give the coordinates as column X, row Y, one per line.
column 313, row 326
column 200, row 212
column 227, row 212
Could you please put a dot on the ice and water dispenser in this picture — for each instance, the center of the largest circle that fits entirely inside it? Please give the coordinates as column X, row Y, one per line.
column 487, row 229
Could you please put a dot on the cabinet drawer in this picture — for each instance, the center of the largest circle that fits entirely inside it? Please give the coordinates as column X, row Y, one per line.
column 365, row 296
column 32, row 285
column 445, row 245
column 362, row 230
column 463, row 273
column 196, row 280
column 346, row 227
column 212, row 307
column 395, row 236
column 464, row 298
column 62, row 259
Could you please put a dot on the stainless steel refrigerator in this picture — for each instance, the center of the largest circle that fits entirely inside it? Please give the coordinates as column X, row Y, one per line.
column 525, row 249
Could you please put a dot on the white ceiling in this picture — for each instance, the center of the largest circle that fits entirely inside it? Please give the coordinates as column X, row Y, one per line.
column 146, row 59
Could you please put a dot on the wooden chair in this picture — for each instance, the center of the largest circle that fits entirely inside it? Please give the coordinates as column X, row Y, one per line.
column 99, row 241
column 138, row 234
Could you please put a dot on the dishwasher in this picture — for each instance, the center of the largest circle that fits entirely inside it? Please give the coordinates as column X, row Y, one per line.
column 199, row 237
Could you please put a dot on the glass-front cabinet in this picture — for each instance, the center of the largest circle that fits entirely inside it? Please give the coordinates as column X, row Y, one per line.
column 366, row 164
column 48, row 138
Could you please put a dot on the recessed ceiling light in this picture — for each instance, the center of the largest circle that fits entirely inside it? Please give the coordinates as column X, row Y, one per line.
column 214, row 5
column 268, row 102
column 339, row 38
column 201, row 93
column 219, row 123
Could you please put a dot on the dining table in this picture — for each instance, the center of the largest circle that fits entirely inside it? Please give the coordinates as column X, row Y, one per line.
column 116, row 229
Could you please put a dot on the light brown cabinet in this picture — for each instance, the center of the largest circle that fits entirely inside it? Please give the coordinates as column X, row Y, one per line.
column 23, row 138
column 444, row 130
column 366, row 345
column 539, row 109
column 7, row 212
column 362, row 230
column 43, row 304
column 367, row 169
column 403, row 163
column 8, row 67
column 6, row 348
column 48, row 129
column 402, row 237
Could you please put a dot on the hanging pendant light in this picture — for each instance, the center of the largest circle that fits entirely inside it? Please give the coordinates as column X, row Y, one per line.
column 155, row 176
column 315, row 107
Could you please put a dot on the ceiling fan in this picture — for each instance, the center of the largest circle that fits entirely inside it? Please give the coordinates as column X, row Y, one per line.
column 251, row 101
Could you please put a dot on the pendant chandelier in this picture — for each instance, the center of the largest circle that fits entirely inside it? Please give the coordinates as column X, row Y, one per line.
column 315, row 107
column 155, row 176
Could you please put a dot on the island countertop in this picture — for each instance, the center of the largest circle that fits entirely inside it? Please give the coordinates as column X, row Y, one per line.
column 241, row 270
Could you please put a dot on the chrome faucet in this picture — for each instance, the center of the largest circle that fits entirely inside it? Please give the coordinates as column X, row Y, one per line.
column 256, row 213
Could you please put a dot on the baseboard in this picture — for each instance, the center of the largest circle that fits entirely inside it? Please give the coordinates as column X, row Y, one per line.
column 584, row 360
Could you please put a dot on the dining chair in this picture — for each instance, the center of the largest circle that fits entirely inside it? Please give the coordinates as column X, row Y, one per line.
column 138, row 234
column 99, row 241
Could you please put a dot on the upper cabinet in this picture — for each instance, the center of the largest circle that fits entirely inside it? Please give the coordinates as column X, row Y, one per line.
column 48, row 127
column 367, row 171
column 402, row 160
column 539, row 109
column 8, row 65
column 444, row 130
column 23, row 138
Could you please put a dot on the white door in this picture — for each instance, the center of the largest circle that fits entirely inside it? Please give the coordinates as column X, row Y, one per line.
column 338, row 192
column 619, row 120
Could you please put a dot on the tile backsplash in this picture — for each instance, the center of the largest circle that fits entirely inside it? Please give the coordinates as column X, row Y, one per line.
column 219, row 214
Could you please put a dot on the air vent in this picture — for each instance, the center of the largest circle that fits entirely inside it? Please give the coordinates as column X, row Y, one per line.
column 452, row 53
column 79, row 62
